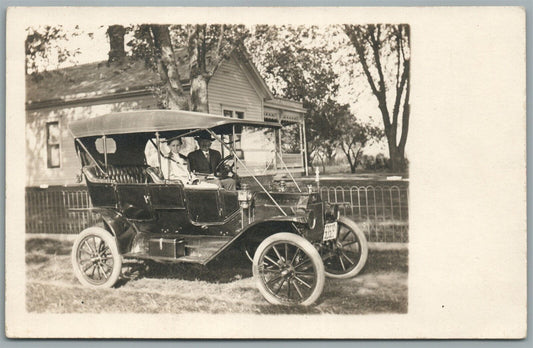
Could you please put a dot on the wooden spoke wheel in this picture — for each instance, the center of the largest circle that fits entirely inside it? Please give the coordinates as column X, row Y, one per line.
column 345, row 256
column 95, row 258
column 288, row 270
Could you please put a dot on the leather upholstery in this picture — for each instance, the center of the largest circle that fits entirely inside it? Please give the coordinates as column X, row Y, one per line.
column 118, row 174
column 155, row 174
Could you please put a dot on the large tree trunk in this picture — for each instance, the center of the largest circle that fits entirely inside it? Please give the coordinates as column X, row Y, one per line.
column 116, row 44
column 352, row 162
column 198, row 66
column 367, row 41
column 352, row 167
column 173, row 96
column 199, row 94
column 396, row 156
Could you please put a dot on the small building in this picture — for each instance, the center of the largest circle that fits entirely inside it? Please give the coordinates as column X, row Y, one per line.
column 61, row 96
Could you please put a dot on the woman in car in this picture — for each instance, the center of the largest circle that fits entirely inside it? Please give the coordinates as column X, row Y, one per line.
column 175, row 166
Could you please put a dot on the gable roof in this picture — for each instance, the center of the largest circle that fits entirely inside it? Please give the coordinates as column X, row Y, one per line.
column 89, row 80
column 100, row 79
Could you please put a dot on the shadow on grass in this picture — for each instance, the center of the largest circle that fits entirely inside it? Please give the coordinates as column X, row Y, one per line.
column 382, row 261
column 36, row 258
column 230, row 266
column 48, row 246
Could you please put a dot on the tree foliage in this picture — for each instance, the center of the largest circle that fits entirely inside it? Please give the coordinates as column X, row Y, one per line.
column 355, row 137
column 383, row 51
column 153, row 44
column 298, row 64
column 45, row 48
column 335, row 127
column 206, row 48
column 295, row 62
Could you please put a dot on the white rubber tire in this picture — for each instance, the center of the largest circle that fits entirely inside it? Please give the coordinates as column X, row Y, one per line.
column 364, row 251
column 111, row 243
column 310, row 252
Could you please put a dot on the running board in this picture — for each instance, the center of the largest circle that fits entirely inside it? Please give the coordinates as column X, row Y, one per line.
column 198, row 249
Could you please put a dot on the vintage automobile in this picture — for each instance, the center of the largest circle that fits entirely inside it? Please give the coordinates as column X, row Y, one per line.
column 293, row 238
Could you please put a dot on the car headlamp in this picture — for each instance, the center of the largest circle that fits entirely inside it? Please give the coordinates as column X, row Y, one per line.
column 244, row 196
column 332, row 212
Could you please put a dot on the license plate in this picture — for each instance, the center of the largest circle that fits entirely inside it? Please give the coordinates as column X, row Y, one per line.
column 330, row 231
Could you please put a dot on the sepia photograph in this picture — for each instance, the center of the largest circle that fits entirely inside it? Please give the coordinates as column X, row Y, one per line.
column 212, row 168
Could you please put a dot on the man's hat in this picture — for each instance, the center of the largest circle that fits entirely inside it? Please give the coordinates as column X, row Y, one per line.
column 204, row 136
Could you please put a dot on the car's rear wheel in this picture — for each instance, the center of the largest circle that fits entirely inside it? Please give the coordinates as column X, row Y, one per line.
column 288, row 270
column 345, row 256
column 95, row 258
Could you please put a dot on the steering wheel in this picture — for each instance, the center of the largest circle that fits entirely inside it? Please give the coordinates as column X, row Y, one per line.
column 226, row 168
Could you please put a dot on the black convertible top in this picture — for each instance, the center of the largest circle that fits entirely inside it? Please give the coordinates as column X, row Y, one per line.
column 145, row 121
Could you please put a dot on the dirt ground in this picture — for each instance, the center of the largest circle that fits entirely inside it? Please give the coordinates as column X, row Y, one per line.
column 226, row 286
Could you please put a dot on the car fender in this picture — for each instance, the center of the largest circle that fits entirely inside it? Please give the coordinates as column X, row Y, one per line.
column 275, row 224
column 262, row 229
column 259, row 230
column 118, row 226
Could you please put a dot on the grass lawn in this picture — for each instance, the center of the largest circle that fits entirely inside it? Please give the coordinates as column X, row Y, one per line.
column 226, row 286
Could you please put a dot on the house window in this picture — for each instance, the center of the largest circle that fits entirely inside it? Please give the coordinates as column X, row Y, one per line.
column 238, row 129
column 53, row 145
column 232, row 113
column 228, row 113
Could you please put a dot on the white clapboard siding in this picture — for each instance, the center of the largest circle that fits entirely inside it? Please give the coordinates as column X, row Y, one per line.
column 38, row 172
column 230, row 88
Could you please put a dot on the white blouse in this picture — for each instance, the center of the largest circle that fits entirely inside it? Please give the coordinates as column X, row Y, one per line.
column 176, row 167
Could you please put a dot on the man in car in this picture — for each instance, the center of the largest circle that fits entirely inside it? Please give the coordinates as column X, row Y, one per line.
column 205, row 160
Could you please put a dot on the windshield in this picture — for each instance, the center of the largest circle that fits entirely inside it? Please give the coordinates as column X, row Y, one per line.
column 255, row 147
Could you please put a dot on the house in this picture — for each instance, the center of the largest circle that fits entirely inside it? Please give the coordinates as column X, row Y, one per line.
column 64, row 95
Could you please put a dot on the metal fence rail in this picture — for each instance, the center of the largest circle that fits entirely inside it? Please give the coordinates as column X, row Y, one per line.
column 53, row 210
column 381, row 211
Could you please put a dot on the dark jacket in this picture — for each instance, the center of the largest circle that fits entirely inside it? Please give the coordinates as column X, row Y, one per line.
column 199, row 164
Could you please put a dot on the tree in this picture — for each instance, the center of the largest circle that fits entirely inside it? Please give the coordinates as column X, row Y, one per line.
column 325, row 127
column 384, row 55
column 354, row 139
column 207, row 47
column 297, row 64
column 153, row 44
column 335, row 127
column 45, row 49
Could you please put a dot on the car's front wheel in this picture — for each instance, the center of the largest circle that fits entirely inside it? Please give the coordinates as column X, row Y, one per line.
column 288, row 270
column 346, row 256
column 95, row 258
